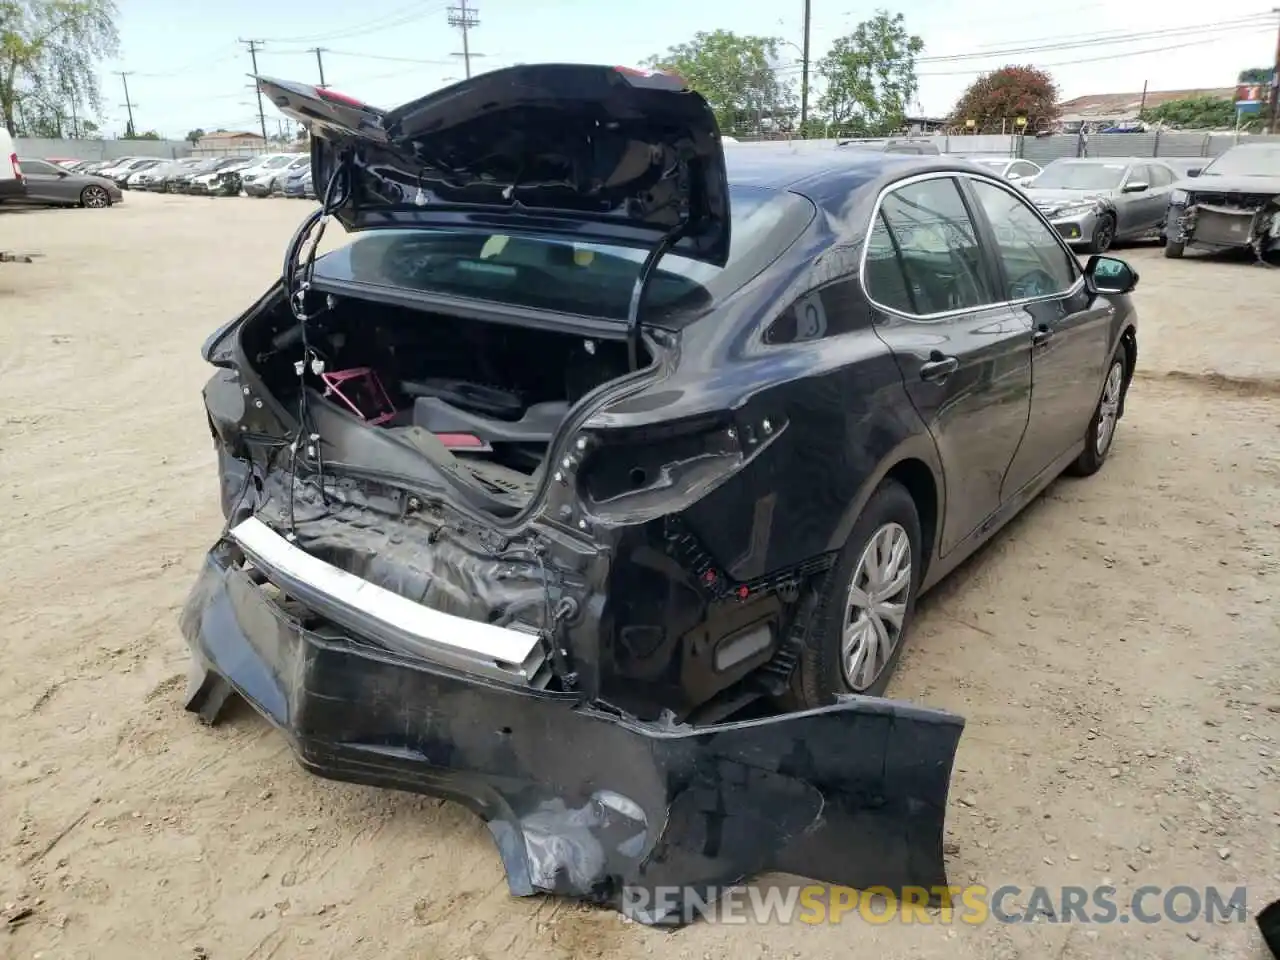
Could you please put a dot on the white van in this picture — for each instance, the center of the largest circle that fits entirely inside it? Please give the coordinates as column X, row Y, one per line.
column 11, row 182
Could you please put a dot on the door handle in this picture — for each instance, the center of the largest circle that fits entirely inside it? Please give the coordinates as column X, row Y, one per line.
column 1041, row 336
column 939, row 368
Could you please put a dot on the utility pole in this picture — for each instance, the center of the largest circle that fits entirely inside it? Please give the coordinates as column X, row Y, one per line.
column 804, row 72
column 128, row 104
column 254, row 46
column 320, row 64
column 464, row 20
column 1142, row 107
column 1275, row 80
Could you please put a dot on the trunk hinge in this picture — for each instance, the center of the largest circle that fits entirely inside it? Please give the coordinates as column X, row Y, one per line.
column 647, row 270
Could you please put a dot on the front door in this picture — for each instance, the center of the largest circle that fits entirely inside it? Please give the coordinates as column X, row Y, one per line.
column 965, row 357
column 46, row 183
column 1070, row 328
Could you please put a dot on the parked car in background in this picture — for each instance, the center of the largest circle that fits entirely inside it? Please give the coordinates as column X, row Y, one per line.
column 264, row 169
column 271, row 180
column 161, row 178
column 298, row 183
column 775, row 399
column 48, row 183
column 122, row 168
column 13, row 185
column 222, row 181
column 122, row 177
column 1013, row 169
column 922, row 146
column 182, row 182
column 1234, row 202
column 1094, row 202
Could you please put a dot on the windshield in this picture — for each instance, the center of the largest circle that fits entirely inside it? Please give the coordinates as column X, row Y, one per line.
column 276, row 162
column 1071, row 175
column 1259, row 161
column 557, row 274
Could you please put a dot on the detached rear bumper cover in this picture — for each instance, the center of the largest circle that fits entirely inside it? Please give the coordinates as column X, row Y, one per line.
column 580, row 800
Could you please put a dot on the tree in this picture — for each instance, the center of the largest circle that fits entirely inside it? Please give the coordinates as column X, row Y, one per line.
column 995, row 100
column 49, row 51
column 149, row 135
column 1199, row 113
column 738, row 76
column 193, row 136
column 870, row 77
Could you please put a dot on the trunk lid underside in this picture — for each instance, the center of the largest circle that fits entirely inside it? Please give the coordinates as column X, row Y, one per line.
column 598, row 153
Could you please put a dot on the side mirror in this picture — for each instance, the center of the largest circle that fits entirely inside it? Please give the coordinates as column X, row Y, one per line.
column 1194, row 172
column 1136, row 186
column 1110, row 275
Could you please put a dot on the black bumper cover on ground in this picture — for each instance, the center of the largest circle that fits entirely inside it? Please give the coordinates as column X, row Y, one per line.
column 582, row 801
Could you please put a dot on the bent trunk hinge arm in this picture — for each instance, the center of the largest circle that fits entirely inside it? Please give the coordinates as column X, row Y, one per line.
column 647, row 270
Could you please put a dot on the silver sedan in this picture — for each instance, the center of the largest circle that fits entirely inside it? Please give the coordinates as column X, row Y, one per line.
column 49, row 183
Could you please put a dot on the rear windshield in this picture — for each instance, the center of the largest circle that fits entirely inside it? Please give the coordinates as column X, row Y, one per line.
column 556, row 273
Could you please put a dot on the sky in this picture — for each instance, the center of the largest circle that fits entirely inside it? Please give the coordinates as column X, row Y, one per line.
column 191, row 71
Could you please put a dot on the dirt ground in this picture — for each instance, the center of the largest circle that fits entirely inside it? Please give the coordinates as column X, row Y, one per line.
column 1114, row 653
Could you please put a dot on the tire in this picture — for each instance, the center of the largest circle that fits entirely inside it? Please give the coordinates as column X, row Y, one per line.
column 1100, row 437
column 1173, row 249
column 1104, row 234
column 889, row 516
column 94, row 197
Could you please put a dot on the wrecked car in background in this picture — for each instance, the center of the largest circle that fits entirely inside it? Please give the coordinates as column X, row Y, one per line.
column 592, row 485
column 1233, row 203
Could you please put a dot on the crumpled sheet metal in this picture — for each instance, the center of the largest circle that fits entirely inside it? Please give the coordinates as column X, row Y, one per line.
column 583, row 801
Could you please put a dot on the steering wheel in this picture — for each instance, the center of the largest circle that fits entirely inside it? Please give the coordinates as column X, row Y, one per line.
column 1033, row 283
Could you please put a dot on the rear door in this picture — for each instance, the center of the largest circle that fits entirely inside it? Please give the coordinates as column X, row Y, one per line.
column 1141, row 210
column 1071, row 329
column 965, row 356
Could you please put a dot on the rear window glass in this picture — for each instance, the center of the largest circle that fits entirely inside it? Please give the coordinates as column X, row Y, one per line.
column 556, row 273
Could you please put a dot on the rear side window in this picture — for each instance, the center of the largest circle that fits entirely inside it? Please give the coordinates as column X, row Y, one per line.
column 936, row 244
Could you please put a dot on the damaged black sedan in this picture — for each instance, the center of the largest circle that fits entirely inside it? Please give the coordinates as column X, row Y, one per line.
column 593, row 482
column 1231, row 204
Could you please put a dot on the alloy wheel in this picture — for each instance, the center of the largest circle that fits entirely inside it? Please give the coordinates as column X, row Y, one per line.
column 876, row 606
column 1109, row 408
column 95, row 197
column 1105, row 235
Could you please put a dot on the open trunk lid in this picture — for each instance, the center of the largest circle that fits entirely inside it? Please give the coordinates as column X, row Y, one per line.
column 599, row 154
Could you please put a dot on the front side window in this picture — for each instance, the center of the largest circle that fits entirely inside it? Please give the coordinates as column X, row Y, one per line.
column 928, row 225
column 1023, row 169
column 1161, row 176
column 1035, row 265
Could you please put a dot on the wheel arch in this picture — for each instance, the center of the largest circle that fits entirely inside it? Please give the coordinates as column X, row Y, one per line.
column 916, row 466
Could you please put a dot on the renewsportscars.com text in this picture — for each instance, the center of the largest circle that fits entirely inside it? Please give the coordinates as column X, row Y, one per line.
column 973, row 904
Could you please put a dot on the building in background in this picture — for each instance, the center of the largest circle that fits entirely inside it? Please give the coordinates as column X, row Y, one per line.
column 229, row 143
column 1101, row 110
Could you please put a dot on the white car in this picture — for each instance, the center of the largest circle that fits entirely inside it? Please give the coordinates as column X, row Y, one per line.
column 1016, row 171
column 259, row 180
column 12, row 183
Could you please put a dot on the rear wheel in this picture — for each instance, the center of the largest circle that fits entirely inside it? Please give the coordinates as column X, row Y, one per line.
column 94, row 197
column 866, row 604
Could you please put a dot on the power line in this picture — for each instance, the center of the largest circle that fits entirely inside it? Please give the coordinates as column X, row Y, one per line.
column 465, row 20
column 380, row 56
column 1232, row 25
column 254, row 46
column 397, row 18
column 1069, row 63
